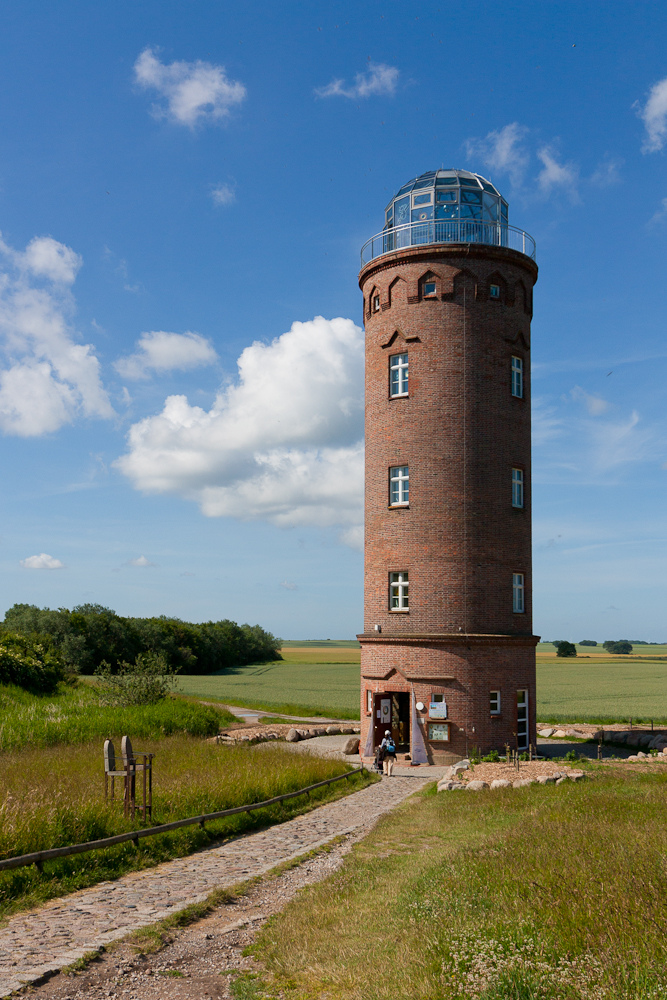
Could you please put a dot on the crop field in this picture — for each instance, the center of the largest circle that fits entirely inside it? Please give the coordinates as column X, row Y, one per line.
column 613, row 690
column 294, row 687
column 548, row 649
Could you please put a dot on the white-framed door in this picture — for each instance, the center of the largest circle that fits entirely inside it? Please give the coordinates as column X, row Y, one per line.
column 522, row 718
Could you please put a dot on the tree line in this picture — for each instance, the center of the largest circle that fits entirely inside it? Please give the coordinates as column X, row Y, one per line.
column 565, row 648
column 89, row 635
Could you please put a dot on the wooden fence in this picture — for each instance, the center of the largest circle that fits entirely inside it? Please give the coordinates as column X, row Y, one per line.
column 38, row 857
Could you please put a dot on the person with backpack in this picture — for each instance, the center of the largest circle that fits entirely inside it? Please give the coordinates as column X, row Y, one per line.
column 388, row 751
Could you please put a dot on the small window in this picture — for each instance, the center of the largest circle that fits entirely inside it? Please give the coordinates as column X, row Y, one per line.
column 398, row 591
column 517, row 487
column 518, row 594
column 438, row 732
column 369, row 701
column 494, row 702
column 421, row 199
column 429, row 289
column 494, row 291
column 398, row 375
column 376, row 303
column 399, row 486
column 517, row 377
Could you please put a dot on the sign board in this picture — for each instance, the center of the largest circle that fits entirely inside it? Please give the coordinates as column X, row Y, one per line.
column 437, row 710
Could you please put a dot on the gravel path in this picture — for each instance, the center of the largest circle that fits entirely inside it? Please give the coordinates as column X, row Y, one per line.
column 36, row 943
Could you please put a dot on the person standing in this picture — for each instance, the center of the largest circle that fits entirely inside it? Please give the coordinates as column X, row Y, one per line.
column 388, row 748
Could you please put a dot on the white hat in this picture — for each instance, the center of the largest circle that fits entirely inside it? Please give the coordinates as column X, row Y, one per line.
column 387, row 732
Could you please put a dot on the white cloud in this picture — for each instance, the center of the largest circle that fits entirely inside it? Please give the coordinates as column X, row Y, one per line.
column 46, row 377
column 162, row 352
column 595, row 405
column 140, row 561
column 607, row 173
column 288, row 585
column 284, row 444
column 554, row 174
column 192, row 91
column 661, row 214
column 380, row 79
column 502, row 150
column 223, row 194
column 654, row 116
column 42, row 561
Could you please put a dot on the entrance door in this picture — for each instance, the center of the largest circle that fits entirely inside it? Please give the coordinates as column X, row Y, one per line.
column 391, row 711
column 522, row 718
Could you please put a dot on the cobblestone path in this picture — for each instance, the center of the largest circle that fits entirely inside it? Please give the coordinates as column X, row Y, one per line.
column 37, row 942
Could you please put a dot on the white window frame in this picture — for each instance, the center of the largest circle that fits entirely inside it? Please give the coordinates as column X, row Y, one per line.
column 399, row 486
column 375, row 302
column 494, row 702
column 434, row 293
column 518, row 593
column 522, row 718
column 494, row 291
column 398, row 591
column 517, row 376
column 369, row 701
column 400, row 365
column 517, row 488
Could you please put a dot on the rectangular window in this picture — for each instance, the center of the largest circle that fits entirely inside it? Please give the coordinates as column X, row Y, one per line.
column 421, row 199
column 522, row 718
column 399, row 486
column 398, row 591
column 517, row 377
column 494, row 291
column 369, row 701
column 494, row 702
column 398, row 375
column 517, row 487
column 376, row 303
column 429, row 289
column 518, row 590
column 438, row 732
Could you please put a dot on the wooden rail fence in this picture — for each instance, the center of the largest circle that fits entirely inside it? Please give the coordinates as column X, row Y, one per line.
column 38, row 857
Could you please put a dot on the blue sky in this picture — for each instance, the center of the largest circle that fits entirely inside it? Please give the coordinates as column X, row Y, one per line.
column 184, row 190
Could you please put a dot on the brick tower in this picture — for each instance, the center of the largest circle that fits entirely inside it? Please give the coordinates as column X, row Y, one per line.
column 448, row 651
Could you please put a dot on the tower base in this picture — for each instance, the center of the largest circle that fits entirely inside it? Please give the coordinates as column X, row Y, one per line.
column 477, row 691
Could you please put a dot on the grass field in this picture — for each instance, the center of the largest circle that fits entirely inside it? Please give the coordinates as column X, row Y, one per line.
column 608, row 691
column 55, row 797
column 74, row 715
column 536, row 894
column 290, row 687
column 597, row 651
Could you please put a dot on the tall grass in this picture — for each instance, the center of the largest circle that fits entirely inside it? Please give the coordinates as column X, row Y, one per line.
column 54, row 797
column 540, row 894
column 76, row 715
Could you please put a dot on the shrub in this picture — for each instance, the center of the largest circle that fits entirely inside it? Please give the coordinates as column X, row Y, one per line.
column 28, row 663
column 588, row 642
column 565, row 648
column 145, row 682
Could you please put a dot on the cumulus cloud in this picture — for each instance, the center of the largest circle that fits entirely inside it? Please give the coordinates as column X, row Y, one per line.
column 160, row 351
column 191, row 92
column 503, row 151
column 42, row 561
column 654, row 116
column 554, row 174
column 223, row 194
column 46, row 377
column 140, row 561
column 378, row 80
column 283, row 444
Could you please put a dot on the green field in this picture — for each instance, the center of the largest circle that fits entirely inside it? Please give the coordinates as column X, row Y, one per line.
column 327, row 689
column 652, row 650
column 608, row 690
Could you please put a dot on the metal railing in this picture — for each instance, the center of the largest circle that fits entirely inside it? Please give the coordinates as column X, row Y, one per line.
column 452, row 231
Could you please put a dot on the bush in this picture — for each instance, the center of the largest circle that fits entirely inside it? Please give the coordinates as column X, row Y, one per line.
column 565, row 648
column 145, row 682
column 618, row 646
column 28, row 663
column 588, row 642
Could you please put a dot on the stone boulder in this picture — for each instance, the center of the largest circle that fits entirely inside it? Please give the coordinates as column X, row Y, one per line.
column 545, row 733
column 546, row 779
column 575, row 775
column 346, row 730
column 501, row 783
column 559, row 781
column 292, row 736
column 561, row 734
column 333, row 730
column 632, row 740
column 450, row 786
column 633, row 757
column 523, row 782
column 351, row 746
column 477, row 786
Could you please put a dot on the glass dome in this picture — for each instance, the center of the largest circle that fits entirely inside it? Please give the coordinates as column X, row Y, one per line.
column 446, row 195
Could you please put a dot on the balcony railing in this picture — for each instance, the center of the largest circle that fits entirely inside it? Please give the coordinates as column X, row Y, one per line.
column 451, row 231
